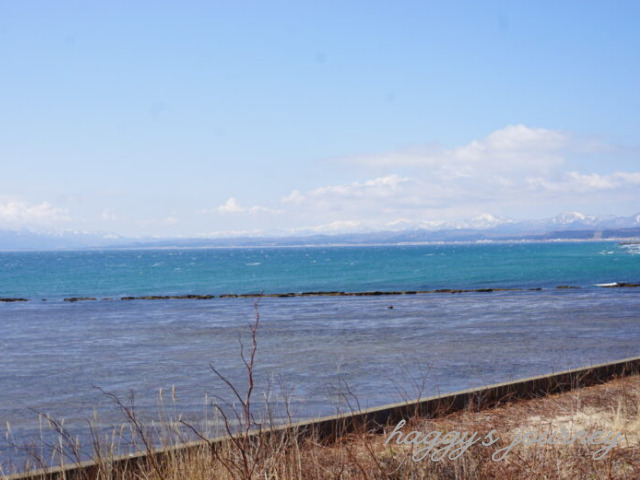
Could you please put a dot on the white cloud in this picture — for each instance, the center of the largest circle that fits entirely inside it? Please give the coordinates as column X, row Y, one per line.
column 380, row 198
column 233, row 206
column 294, row 197
column 377, row 187
column 348, row 201
column 230, row 206
column 515, row 147
column 332, row 227
column 18, row 214
column 382, row 187
column 576, row 182
column 108, row 215
column 155, row 227
column 513, row 171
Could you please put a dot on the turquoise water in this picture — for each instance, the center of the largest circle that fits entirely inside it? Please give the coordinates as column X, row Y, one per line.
column 53, row 353
column 54, row 275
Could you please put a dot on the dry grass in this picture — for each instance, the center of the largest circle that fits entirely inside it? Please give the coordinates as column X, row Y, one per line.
column 611, row 407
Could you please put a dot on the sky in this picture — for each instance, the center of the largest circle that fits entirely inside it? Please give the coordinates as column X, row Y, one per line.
column 209, row 118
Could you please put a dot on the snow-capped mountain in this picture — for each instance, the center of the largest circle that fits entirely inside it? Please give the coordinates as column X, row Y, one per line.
column 563, row 221
column 567, row 225
column 576, row 220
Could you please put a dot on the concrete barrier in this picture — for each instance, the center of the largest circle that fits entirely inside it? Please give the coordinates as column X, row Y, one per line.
column 374, row 419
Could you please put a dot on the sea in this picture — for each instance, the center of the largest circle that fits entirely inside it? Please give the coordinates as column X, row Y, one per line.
column 76, row 363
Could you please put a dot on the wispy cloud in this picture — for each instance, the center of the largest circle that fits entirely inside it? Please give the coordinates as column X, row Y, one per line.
column 108, row 215
column 382, row 187
column 576, row 182
column 513, row 148
column 19, row 214
column 515, row 171
column 233, row 206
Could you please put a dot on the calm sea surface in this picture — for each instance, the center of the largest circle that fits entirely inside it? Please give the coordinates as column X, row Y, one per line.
column 331, row 353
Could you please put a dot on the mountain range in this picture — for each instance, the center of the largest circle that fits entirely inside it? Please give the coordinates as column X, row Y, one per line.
column 485, row 227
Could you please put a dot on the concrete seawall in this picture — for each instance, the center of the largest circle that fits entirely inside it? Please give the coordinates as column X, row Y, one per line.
column 373, row 419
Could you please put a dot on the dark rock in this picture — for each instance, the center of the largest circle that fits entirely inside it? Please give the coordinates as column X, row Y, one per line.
column 622, row 285
column 315, row 294
column 196, row 297
column 376, row 293
column 171, row 297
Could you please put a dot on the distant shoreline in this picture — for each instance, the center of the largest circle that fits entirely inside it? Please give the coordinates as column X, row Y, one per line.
column 630, row 240
column 340, row 245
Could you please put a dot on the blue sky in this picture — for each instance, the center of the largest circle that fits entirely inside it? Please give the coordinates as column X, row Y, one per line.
column 203, row 118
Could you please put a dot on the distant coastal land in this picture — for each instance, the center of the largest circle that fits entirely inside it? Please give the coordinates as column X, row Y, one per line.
column 570, row 226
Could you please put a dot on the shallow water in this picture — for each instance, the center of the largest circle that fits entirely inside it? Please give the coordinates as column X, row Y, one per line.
column 333, row 353
column 317, row 346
